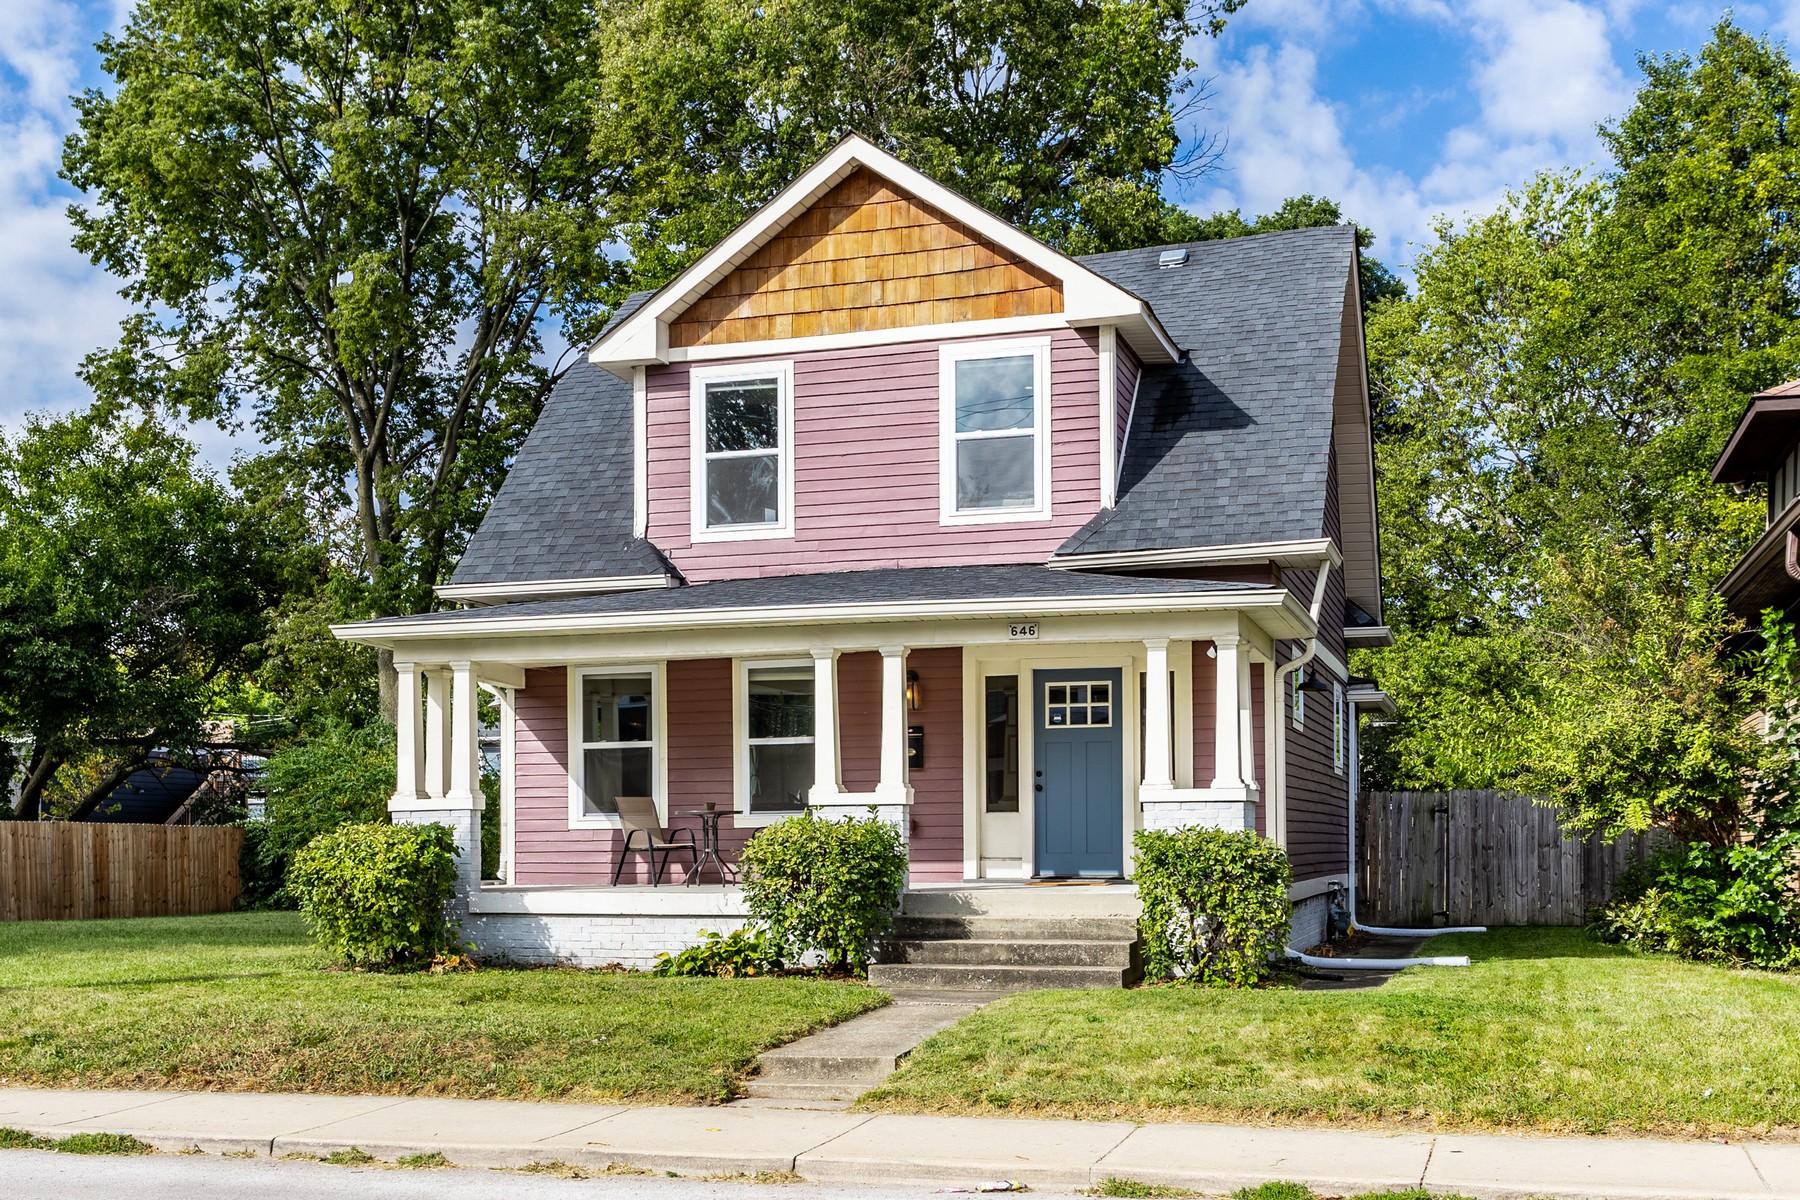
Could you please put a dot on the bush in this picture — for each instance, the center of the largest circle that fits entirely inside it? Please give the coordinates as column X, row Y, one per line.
column 379, row 895
column 830, row 886
column 738, row 955
column 341, row 776
column 1215, row 904
column 1734, row 906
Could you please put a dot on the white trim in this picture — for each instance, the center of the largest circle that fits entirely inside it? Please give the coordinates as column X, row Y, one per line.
column 1305, row 553
column 742, row 817
column 1306, row 889
column 949, row 439
column 1331, row 661
column 864, row 338
column 539, row 588
column 579, row 817
column 1109, row 415
column 640, row 453
column 1368, row 635
column 509, row 767
column 386, row 631
column 698, row 379
column 1337, row 727
column 1088, row 297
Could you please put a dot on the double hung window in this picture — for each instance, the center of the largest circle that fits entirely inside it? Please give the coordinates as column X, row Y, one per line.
column 618, row 722
column 743, row 468
column 778, row 737
column 995, row 431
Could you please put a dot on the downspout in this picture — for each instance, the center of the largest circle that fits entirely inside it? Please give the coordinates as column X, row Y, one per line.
column 1279, row 775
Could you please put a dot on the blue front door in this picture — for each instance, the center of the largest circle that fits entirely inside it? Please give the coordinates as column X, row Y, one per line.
column 1078, row 775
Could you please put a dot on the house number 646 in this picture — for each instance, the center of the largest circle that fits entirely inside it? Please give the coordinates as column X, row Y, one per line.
column 1025, row 631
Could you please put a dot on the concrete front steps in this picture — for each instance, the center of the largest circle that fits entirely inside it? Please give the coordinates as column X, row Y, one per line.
column 831, row 1068
column 1012, row 938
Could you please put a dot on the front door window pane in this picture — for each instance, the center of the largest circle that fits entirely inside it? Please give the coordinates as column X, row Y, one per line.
column 1001, row 744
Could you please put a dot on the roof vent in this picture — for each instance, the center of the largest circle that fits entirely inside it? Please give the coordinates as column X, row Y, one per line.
column 1172, row 258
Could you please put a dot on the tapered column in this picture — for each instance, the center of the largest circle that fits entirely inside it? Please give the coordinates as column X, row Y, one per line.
column 1158, row 731
column 826, row 784
column 437, row 733
column 1231, row 671
column 409, row 763
column 892, row 787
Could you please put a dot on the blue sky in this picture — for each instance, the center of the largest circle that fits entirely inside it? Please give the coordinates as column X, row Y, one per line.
column 1401, row 110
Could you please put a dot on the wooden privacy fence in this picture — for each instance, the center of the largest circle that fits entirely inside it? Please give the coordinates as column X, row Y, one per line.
column 1480, row 858
column 63, row 871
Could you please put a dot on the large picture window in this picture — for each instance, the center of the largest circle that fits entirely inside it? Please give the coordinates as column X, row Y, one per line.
column 618, row 729
column 778, row 737
column 995, row 428
column 743, row 451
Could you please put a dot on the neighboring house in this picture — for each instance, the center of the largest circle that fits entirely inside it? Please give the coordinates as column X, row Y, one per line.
column 1765, row 449
column 884, row 502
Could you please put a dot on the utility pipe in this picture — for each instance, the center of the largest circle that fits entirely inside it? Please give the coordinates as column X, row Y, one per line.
column 1378, row 964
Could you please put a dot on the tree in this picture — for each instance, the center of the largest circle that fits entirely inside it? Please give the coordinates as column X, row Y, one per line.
column 354, row 221
column 1550, row 403
column 1059, row 115
column 1306, row 211
column 131, row 586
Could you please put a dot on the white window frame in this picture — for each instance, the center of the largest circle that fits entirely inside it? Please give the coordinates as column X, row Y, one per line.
column 948, row 357
column 579, row 817
column 740, row 733
column 1337, row 727
column 698, row 378
column 1295, row 679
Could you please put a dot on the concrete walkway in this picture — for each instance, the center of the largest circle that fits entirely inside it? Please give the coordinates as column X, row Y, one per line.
column 861, row 1148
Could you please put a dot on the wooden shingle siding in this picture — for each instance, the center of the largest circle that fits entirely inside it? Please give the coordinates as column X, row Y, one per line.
column 865, row 256
column 866, row 467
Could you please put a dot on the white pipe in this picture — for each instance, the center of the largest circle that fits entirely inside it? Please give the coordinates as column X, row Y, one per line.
column 1378, row 964
column 1355, row 754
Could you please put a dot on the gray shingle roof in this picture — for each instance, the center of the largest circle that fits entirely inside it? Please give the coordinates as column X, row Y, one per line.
column 564, row 511
column 888, row 585
column 1232, row 445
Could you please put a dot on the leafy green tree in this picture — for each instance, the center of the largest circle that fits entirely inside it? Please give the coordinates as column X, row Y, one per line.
column 1059, row 115
column 351, row 222
column 132, row 586
column 1305, row 211
column 339, row 776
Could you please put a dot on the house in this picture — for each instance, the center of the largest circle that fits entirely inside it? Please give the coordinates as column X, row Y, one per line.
column 1764, row 449
column 885, row 503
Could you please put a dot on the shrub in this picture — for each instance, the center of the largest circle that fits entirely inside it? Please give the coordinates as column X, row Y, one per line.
column 378, row 895
column 737, row 955
column 1215, row 904
column 1729, row 905
column 342, row 775
column 830, row 886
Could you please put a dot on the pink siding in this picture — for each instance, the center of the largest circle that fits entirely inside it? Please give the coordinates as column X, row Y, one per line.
column 1127, row 372
column 700, row 757
column 866, row 467
column 937, row 816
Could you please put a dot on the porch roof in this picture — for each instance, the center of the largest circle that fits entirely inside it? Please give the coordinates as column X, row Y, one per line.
column 887, row 593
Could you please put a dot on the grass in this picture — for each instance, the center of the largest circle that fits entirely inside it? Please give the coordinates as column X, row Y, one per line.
column 242, row 1002
column 1548, row 1031
column 349, row 1156
column 75, row 1143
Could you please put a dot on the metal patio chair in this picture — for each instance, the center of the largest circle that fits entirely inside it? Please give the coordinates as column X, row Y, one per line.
column 644, row 834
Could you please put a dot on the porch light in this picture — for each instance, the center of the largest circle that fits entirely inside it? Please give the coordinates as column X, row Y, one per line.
column 1312, row 682
column 913, row 694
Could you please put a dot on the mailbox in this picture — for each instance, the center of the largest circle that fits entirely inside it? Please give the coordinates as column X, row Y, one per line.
column 915, row 747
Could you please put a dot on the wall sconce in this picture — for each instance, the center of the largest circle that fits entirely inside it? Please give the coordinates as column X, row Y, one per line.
column 1310, row 681
column 913, row 695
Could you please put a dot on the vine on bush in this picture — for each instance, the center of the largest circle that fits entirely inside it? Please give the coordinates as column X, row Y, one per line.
column 830, row 886
column 740, row 954
column 1215, row 904
column 379, row 895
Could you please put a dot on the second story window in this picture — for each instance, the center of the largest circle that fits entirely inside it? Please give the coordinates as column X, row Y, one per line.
column 995, row 431
column 743, row 461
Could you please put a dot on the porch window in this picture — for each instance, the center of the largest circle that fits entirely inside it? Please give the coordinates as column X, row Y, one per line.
column 778, row 711
column 618, row 740
column 995, row 430
column 743, row 451
column 1001, row 748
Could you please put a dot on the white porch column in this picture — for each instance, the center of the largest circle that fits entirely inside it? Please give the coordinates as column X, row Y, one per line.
column 1246, row 724
column 437, row 733
column 1229, row 697
column 827, row 785
column 409, row 765
column 465, row 739
column 1158, row 735
column 892, row 787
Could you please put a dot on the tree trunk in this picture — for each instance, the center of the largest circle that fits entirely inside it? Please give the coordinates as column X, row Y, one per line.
column 387, row 684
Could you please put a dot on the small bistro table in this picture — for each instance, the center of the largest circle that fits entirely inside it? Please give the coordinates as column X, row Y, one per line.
column 709, row 845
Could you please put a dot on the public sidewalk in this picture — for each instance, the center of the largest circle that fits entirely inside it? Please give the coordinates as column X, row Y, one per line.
column 934, row 1151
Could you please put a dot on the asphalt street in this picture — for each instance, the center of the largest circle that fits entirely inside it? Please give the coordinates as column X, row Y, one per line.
column 32, row 1174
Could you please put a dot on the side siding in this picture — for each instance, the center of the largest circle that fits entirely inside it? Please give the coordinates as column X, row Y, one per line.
column 866, row 468
column 937, row 816
column 1318, row 798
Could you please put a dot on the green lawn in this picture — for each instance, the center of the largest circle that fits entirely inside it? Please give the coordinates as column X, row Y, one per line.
column 241, row 1002
column 1548, row 1031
